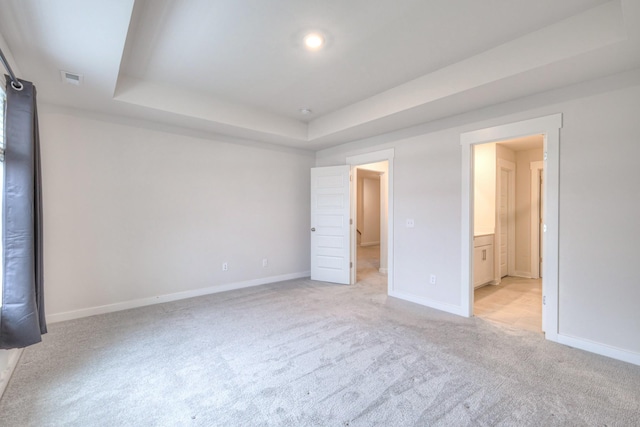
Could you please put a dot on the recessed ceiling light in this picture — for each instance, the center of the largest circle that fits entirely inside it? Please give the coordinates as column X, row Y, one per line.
column 305, row 111
column 313, row 41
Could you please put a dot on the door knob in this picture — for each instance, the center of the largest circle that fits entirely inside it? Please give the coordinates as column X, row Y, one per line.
column 313, row 229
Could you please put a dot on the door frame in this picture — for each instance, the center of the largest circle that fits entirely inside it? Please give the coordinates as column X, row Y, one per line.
column 548, row 126
column 537, row 168
column 510, row 167
column 364, row 159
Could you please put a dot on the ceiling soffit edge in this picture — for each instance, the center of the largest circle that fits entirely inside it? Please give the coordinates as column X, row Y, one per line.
column 590, row 30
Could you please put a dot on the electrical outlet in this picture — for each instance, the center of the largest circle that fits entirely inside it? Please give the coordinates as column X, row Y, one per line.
column 432, row 279
column 410, row 223
column 225, row 266
column 265, row 262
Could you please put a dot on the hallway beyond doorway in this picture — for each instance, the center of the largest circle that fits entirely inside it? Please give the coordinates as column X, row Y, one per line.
column 515, row 301
column 369, row 266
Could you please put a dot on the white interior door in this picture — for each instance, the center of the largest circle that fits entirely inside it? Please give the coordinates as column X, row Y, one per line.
column 330, row 224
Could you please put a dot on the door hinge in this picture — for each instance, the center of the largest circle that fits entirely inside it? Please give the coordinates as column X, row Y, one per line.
column 544, row 300
column 545, row 155
column 350, row 221
column 350, row 177
column 350, row 265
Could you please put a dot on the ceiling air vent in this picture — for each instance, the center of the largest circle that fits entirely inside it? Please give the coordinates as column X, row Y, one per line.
column 71, row 78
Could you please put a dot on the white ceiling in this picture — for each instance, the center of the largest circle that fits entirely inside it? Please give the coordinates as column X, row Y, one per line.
column 237, row 67
column 524, row 143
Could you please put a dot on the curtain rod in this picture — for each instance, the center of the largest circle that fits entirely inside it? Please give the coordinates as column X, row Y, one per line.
column 14, row 81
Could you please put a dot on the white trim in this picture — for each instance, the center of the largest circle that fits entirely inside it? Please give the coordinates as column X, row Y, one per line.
column 549, row 126
column 601, row 349
column 364, row 159
column 550, row 242
column 466, row 226
column 523, row 274
column 438, row 305
column 142, row 302
column 353, row 231
column 370, row 243
column 512, row 130
column 536, row 169
column 383, row 270
column 7, row 371
column 511, row 220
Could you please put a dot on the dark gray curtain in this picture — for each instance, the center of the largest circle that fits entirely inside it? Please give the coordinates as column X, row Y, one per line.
column 22, row 319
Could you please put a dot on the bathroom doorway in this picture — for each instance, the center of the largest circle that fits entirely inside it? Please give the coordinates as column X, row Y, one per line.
column 507, row 206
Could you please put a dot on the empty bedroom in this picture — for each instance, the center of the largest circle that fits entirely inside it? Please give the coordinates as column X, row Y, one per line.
column 330, row 213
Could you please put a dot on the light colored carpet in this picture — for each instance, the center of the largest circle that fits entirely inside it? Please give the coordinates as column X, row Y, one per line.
column 303, row 353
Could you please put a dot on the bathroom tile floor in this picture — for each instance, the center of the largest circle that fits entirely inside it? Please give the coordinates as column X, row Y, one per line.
column 515, row 301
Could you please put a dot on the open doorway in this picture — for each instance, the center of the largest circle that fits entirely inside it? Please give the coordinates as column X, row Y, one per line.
column 548, row 126
column 371, row 223
column 508, row 231
column 333, row 219
column 369, row 220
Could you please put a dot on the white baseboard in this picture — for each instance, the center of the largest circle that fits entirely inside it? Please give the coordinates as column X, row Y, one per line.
column 438, row 305
column 523, row 274
column 126, row 305
column 580, row 343
column 8, row 363
column 601, row 349
column 369, row 243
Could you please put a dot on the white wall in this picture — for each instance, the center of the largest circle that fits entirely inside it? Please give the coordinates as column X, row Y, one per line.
column 132, row 212
column 599, row 205
column 371, row 211
column 484, row 185
column 506, row 153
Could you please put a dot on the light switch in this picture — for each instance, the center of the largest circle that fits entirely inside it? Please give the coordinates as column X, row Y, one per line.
column 410, row 223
